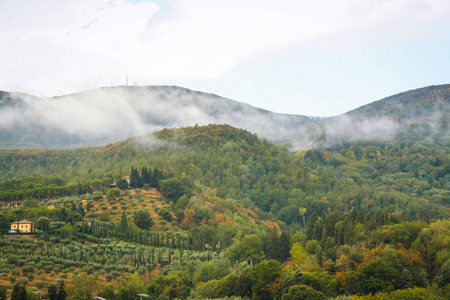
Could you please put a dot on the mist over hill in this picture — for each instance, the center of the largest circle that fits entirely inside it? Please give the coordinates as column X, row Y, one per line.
column 406, row 117
column 106, row 115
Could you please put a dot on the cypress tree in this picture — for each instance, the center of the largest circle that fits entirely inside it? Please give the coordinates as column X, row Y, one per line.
column 156, row 178
column 52, row 292
column 123, row 223
column 145, row 175
column 310, row 226
column 135, row 178
column 284, row 247
column 62, row 294
column 19, row 292
column 272, row 245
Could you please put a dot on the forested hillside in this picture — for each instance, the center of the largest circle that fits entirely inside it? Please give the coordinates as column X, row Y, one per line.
column 404, row 118
column 110, row 114
column 214, row 211
column 421, row 104
column 412, row 179
column 106, row 115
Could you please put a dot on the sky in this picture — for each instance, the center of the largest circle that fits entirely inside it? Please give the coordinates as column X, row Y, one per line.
column 314, row 58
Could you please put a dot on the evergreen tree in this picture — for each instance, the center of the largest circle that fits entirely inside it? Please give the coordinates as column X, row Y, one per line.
column 3, row 291
column 62, row 294
column 311, row 225
column 19, row 292
column 143, row 219
column 122, row 184
column 405, row 279
column 271, row 247
column 323, row 236
column 123, row 223
column 443, row 278
column 156, row 178
column 284, row 247
column 146, row 175
column 135, row 178
column 52, row 292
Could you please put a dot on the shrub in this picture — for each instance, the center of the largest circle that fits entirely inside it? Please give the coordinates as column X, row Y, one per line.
column 109, row 277
column 115, row 274
column 39, row 284
column 141, row 270
column 97, row 195
column 89, row 205
column 55, row 240
column 48, row 268
column 20, row 262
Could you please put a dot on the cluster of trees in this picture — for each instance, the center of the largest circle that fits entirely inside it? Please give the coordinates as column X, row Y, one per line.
column 367, row 254
column 147, row 177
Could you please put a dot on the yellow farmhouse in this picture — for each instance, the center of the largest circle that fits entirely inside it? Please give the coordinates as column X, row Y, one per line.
column 24, row 226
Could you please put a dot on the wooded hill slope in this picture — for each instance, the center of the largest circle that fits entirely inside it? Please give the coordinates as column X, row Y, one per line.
column 106, row 115
column 412, row 179
column 364, row 218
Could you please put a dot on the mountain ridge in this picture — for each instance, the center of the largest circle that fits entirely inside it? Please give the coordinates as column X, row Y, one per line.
column 109, row 114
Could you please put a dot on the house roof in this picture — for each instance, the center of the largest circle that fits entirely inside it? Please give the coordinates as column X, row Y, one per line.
column 23, row 222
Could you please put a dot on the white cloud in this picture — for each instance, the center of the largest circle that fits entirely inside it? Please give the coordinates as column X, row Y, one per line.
column 54, row 47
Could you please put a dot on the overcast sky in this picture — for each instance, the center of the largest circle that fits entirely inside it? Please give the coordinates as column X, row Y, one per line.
column 308, row 57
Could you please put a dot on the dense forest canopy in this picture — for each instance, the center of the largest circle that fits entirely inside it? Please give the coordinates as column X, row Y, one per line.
column 214, row 211
column 410, row 178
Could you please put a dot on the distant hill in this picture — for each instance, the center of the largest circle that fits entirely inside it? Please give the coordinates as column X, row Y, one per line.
column 106, row 115
column 423, row 104
column 406, row 117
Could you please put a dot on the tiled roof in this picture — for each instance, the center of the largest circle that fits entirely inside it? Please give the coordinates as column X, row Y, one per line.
column 22, row 222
